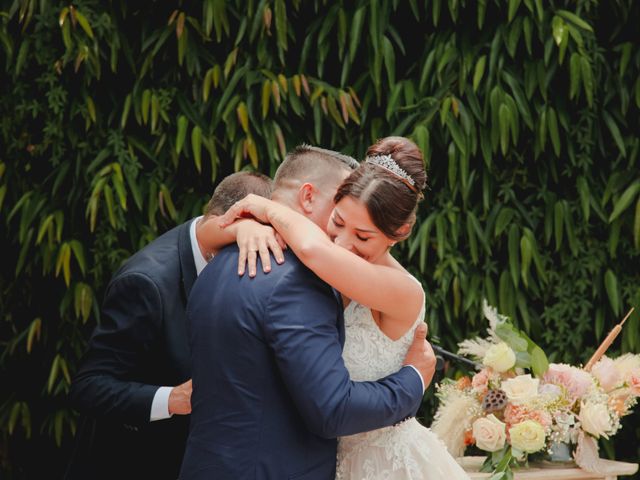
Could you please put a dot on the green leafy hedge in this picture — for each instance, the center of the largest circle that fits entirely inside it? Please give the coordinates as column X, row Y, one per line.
column 118, row 118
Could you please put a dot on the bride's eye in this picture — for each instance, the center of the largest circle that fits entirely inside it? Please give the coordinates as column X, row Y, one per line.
column 362, row 239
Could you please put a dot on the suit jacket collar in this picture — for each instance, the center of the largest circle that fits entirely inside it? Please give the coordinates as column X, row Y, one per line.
column 187, row 264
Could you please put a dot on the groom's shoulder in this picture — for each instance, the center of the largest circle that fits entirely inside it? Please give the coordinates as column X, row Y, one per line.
column 292, row 270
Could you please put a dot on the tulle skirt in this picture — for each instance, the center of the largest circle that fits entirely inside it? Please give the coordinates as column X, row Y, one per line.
column 408, row 451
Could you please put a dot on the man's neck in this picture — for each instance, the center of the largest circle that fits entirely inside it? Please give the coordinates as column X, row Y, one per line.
column 287, row 197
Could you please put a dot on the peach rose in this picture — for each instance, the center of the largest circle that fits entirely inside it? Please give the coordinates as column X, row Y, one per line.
column 489, row 433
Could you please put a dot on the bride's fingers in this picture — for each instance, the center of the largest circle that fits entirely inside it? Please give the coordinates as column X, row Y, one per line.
column 276, row 249
column 242, row 258
column 265, row 259
column 252, row 258
column 234, row 212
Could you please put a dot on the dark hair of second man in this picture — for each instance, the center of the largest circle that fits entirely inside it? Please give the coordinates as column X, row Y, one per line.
column 235, row 187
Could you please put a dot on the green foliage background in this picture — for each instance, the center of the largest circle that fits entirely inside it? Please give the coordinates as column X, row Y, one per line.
column 117, row 119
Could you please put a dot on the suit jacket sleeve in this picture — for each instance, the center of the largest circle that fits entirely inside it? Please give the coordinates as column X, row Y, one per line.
column 130, row 324
column 301, row 326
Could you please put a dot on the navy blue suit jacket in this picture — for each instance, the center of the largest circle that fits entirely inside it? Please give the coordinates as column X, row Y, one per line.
column 270, row 389
column 140, row 344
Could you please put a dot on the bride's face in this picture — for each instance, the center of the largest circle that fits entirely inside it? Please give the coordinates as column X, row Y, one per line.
column 351, row 227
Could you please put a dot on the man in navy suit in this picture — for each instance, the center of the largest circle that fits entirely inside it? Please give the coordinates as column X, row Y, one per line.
column 133, row 386
column 271, row 392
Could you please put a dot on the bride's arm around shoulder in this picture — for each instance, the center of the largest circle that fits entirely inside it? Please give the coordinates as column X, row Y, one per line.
column 388, row 289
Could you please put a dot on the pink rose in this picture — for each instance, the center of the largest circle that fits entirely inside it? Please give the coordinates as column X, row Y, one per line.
column 634, row 384
column 607, row 374
column 576, row 381
column 480, row 381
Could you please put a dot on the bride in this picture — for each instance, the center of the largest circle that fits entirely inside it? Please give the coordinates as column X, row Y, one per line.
column 374, row 208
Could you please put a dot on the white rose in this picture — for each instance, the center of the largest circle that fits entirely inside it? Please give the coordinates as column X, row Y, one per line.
column 489, row 433
column 521, row 388
column 595, row 419
column 500, row 357
column 527, row 436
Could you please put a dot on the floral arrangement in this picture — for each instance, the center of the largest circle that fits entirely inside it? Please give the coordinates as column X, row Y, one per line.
column 518, row 404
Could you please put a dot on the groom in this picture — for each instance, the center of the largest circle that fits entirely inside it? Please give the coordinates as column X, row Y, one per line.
column 270, row 389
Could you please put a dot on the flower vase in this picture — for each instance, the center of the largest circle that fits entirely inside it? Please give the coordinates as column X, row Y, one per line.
column 558, row 455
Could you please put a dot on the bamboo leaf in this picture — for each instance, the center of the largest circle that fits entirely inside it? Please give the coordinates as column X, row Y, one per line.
column 611, row 286
column 168, row 202
column 84, row 23
column 552, row 124
column 503, row 220
column 146, row 101
column 526, row 254
column 108, row 199
column 243, row 116
column 576, row 20
column 479, row 71
column 78, row 252
column 615, row 132
column 53, row 372
column 513, row 8
column 514, row 254
column 182, row 133
column 587, row 79
column 575, row 65
column 35, row 329
column 356, row 32
column 125, row 111
column 636, row 226
column 196, row 146
column 625, row 200
column 389, row 60
column 281, row 26
column 504, row 118
column 585, row 196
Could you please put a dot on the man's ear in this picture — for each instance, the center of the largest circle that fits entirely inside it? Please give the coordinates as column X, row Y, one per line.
column 305, row 197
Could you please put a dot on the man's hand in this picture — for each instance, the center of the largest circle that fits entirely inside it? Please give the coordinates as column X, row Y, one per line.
column 420, row 355
column 180, row 399
column 256, row 239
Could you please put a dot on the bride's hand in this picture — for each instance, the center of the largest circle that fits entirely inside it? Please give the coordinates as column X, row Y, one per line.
column 250, row 206
column 256, row 239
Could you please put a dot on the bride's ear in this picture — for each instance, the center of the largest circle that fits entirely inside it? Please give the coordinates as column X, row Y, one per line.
column 404, row 231
column 305, row 197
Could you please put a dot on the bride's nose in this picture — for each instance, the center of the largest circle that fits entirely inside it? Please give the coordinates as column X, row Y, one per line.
column 344, row 242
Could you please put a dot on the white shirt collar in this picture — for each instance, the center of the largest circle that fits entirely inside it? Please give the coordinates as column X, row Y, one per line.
column 198, row 259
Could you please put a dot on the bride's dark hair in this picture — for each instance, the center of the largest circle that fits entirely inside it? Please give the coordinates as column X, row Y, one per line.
column 390, row 199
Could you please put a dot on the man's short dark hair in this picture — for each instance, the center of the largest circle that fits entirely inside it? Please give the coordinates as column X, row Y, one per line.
column 305, row 160
column 235, row 187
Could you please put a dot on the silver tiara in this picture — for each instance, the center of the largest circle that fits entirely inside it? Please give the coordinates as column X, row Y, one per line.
column 389, row 164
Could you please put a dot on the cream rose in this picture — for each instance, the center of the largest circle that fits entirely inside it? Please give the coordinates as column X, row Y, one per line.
column 489, row 433
column 595, row 419
column 500, row 357
column 527, row 436
column 521, row 388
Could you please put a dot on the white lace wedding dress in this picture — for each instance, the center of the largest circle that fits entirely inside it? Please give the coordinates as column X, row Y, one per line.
column 408, row 451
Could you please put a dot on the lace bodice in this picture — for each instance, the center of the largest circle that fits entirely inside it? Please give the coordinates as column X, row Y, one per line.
column 368, row 353
column 407, row 451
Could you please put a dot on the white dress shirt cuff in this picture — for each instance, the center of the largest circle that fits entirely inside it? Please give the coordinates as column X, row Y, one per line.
column 421, row 379
column 160, row 404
